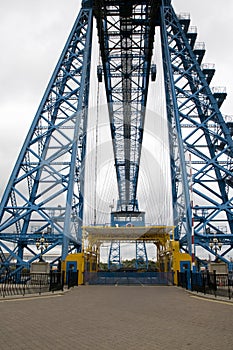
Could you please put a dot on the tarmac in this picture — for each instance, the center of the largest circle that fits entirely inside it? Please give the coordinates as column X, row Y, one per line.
column 116, row 318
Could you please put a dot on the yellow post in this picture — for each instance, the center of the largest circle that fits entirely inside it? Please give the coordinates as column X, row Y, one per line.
column 177, row 258
column 77, row 258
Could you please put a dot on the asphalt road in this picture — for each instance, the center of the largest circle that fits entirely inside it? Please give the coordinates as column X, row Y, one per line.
column 116, row 318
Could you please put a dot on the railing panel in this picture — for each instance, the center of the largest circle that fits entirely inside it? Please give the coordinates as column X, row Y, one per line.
column 208, row 283
column 31, row 283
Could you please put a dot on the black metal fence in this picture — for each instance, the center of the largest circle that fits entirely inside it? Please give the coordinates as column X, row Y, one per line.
column 31, row 283
column 129, row 278
column 207, row 282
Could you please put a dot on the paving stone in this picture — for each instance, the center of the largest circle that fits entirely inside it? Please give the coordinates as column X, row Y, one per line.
column 116, row 318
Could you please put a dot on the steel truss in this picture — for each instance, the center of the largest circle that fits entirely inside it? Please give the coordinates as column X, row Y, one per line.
column 200, row 140
column 126, row 31
column 141, row 256
column 45, row 191
column 114, row 258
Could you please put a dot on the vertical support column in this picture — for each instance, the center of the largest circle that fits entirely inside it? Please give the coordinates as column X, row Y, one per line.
column 79, row 140
column 141, row 256
column 192, row 209
column 114, row 259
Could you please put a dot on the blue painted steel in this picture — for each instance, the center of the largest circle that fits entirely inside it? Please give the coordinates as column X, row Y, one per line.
column 128, row 219
column 177, row 152
column 114, row 258
column 122, row 218
column 197, row 129
column 141, row 262
column 45, row 191
column 126, row 32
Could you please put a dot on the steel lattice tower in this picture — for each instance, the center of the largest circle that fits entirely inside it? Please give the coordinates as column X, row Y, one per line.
column 45, row 191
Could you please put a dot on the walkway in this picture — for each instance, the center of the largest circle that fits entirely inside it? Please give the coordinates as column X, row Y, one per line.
column 116, row 318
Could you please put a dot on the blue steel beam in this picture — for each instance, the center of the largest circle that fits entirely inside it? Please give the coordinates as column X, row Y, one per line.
column 45, row 191
column 114, row 259
column 199, row 132
column 126, row 35
column 141, row 256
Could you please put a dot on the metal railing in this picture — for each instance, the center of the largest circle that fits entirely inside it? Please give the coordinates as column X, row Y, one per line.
column 31, row 283
column 207, row 282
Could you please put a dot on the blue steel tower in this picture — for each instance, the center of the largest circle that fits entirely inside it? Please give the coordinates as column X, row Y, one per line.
column 45, row 193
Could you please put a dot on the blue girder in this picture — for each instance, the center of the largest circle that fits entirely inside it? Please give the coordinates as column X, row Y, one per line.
column 200, row 140
column 141, row 262
column 114, row 259
column 45, row 191
column 126, row 35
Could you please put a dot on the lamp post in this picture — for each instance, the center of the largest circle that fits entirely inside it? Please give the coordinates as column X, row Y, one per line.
column 215, row 245
column 41, row 244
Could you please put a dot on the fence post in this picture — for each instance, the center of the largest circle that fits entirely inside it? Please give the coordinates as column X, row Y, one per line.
column 178, row 278
column 4, row 287
column 50, row 280
column 203, row 282
column 228, row 284
column 24, row 288
column 215, row 284
column 187, row 279
column 40, row 286
column 62, row 280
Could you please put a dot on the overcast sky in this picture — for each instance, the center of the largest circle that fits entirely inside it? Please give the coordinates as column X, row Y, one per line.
column 33, row 34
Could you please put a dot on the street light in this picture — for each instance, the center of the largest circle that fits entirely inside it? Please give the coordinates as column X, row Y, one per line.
column 41, row 244
column 215, row 245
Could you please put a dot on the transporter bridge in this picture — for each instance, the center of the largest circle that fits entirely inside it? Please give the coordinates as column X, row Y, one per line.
column 45, row 192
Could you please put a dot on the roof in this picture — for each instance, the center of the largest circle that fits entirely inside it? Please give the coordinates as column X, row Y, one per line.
column 145, row 233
